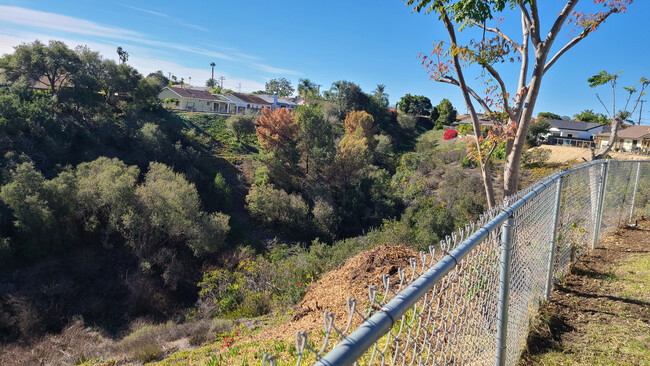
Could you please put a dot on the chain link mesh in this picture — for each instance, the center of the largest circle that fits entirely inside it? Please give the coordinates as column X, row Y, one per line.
column 455, row 321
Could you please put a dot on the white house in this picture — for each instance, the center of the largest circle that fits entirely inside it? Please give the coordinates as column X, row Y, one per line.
column 280, row 102
column 254, row 104
column 195, row 100
column 574, row 129
column 237, row 105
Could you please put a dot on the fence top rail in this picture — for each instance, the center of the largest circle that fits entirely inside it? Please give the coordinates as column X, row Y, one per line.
column 354, row 345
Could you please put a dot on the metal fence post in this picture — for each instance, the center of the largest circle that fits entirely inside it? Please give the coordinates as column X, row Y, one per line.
column 504, row 291
column 601, row 204
column 554, row 234
column 636, row 186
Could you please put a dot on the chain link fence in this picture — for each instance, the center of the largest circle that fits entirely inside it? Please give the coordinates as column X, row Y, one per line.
column 471, row 299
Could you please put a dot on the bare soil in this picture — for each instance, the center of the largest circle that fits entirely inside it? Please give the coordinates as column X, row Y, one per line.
column 564, row 154
column 594, row 316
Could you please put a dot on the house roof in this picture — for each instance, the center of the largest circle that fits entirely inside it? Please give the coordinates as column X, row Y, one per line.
column 483, row 121
column 250, row 98
column 561, row 124
column 234, row 99
column 196, row 93
column 632, row 132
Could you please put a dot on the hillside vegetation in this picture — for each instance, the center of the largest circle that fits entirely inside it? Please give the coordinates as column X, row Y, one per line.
column 127, row 226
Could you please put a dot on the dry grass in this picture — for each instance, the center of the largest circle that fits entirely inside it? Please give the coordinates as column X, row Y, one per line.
column 76, row 343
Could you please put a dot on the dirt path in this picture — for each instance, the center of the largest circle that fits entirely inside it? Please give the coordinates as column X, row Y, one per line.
column 563, row 154
column 600, row 314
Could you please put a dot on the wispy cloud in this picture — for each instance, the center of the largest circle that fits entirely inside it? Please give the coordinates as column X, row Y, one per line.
column 147, row 11
column 114, row 36
column 274, row 70
column 166, row 16
column 39, row 19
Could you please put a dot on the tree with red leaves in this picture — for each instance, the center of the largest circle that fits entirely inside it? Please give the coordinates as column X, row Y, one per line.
column 447, row 63
column 277, row 132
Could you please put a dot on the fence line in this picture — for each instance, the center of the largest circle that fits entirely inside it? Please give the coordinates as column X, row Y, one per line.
column 471, row 301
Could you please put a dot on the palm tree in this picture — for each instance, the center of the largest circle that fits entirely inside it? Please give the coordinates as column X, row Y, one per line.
column 306, row 88
column 381, row 95
column 211, row 81
column 123, row 55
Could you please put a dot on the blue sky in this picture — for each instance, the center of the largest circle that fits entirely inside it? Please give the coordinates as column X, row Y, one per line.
column 364, row 41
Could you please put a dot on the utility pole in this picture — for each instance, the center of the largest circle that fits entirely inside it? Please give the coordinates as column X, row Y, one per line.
column 641, row 110
column 239, row 87
column 221, row 78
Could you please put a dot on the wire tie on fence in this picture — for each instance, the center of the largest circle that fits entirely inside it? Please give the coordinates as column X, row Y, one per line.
column 452, row 257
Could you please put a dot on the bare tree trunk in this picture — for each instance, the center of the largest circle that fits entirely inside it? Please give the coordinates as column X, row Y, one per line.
column 513, row 159
column 487, row 184
column 485, row 169
column 610, row 142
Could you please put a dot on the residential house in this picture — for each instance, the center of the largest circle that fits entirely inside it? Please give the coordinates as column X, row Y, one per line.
column 631, row 139
column 483, row 120
column 237, row 106
column 280, row 102
column 195, row 100
column 574, row 129
column 254, row 104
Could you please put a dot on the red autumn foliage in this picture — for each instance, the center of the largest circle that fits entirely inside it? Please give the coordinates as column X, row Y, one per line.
column 276, row 128
column 450, row 133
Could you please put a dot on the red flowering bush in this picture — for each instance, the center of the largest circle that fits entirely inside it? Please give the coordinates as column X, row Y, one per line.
column 450, row 133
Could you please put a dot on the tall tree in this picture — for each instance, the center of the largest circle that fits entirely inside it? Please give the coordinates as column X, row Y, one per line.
column 211, row 83
column 276, row 131
column 488, row 52
column 588, row 115
column 315, row 136
column 53, row 63
column 417, row 105
column 281, row 86
column 380, row 94
column 307, row 89
column 548, row 115
column 212, row 65
column 446, row 112
column 123, row 55
column 361, row 125
column 603, row 78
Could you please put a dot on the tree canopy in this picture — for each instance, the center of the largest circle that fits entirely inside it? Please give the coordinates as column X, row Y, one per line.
column 417, row 105
column 281, row 86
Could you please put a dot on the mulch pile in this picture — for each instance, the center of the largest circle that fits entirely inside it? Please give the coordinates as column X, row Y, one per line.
column 332, row 291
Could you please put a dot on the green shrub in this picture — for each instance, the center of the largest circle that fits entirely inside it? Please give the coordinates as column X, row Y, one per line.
column 465, row 128
column 536, row 157
column 276, row 207
column 241, row 125
column 224, row 193
column 407, row 122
